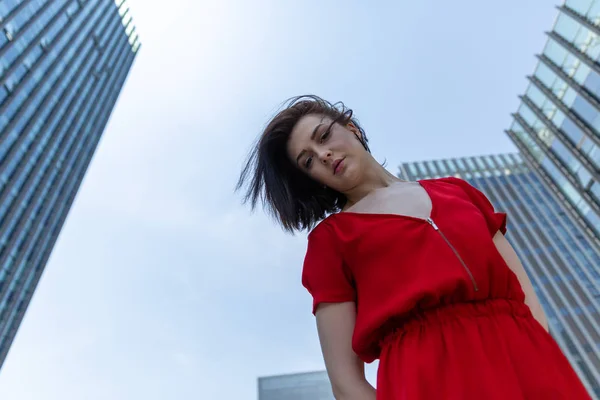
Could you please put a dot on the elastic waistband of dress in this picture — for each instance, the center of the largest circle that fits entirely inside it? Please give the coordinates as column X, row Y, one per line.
column 449, row 312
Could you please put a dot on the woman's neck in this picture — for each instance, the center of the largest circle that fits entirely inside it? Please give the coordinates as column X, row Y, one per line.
column 377, row 178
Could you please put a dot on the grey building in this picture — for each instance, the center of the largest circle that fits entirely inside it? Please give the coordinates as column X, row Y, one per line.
column 303, row 386
column 559, row 257
column 62, row 66
column 557, row 125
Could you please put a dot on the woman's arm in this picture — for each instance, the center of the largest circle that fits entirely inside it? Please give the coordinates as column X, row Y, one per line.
column 513, row 262
column 335, row 323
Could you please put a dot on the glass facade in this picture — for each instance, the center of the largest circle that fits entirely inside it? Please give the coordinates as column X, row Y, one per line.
column 62, row 66
column 557, row 125
column 304, row 386
column 559, row 256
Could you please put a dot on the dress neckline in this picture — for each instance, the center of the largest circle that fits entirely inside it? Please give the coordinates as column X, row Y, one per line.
column 432, row 211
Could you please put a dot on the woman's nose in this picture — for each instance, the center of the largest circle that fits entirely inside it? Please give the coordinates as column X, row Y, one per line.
column 325, row 156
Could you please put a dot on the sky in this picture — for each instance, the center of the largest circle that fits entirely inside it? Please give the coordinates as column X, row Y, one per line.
column 162, row 285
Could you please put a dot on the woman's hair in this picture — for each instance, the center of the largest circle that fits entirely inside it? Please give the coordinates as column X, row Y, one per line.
column 292, row 197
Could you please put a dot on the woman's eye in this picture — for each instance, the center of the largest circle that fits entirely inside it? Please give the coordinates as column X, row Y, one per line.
column 325, row 135
column 308, row 162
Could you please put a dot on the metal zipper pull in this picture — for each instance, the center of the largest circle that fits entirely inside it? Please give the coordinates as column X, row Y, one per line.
column 430, row 221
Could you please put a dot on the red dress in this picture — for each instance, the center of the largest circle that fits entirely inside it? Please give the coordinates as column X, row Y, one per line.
column 436, row 303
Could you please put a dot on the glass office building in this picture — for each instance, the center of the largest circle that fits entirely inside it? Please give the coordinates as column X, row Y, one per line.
column 62, row 66
column 303, row 386
column 559, row 257
column 557, row 125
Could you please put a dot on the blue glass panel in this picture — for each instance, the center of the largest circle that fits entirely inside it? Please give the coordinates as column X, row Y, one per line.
column 11, row 55
column 568, row 97
column 585, row 110
column 595, row 191
column 562, row 182
column 592, row 83
column 516, row 127
column 19, row 73
column 3, row 39
column 25, row 14
column 535, row 95
column 594, row 13
column 581, row 6
column 3, row 94
column 572, row 131
column 565, row 155
column 34, row 55
column 4, row 9
column 592, row 218
column 62, row 21
column 566, row 27
column 588, row 42
column 528, row 115
column 583, row 176
column 581, row 73
column 593, row 152
column 72, row 8
column 558, row 118
column 546, row 75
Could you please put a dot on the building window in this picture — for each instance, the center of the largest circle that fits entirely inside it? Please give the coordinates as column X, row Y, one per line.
column 567, row 27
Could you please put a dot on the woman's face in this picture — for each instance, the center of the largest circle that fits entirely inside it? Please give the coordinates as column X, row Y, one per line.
column 329, row 153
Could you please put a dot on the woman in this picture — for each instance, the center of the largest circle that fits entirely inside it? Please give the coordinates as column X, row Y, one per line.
column 415, row 274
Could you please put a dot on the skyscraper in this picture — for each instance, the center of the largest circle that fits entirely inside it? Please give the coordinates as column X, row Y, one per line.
column 559, row 257
column 62, row 66
column 557, row 126
column 303, row 386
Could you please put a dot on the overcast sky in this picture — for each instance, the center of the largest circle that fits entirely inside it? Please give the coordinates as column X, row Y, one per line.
column 162, row 285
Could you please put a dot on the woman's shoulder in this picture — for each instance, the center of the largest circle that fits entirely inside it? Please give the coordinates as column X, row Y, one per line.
column 453, row 184
column 446, row 180
column 464, row 186
column 322, row 227
column 332, row 227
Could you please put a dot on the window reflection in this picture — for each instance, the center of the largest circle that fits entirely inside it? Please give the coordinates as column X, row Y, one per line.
column 558, row 118
column 595, row 191
column 461, row 164
column 441, row 166
column 584, row 177
column 594, row 153
column 528, row 141
column 562, row 182
column 569, row 97
column 581, row 6
column 566, row 27
column 545, row 74
column 593, row 219
column 570, row 64
column 413, row 169
column 587, row 112
column 581, row 73
column 535, row 95
column 593, row 13
column 528, row 115
column 572, row 131
column 555, row 52
column 433, row 168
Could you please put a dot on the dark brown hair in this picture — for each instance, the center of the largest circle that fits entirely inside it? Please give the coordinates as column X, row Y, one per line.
column 292, row 197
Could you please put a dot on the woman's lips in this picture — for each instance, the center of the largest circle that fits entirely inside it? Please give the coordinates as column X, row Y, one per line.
column 338, row 165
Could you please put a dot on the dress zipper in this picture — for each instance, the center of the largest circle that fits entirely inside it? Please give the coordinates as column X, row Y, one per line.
column 435, row 227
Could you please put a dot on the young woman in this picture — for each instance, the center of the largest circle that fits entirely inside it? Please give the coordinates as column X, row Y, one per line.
column 415, row 274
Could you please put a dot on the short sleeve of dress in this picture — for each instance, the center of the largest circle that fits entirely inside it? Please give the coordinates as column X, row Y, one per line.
column 496, row 221
column 324, row 274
